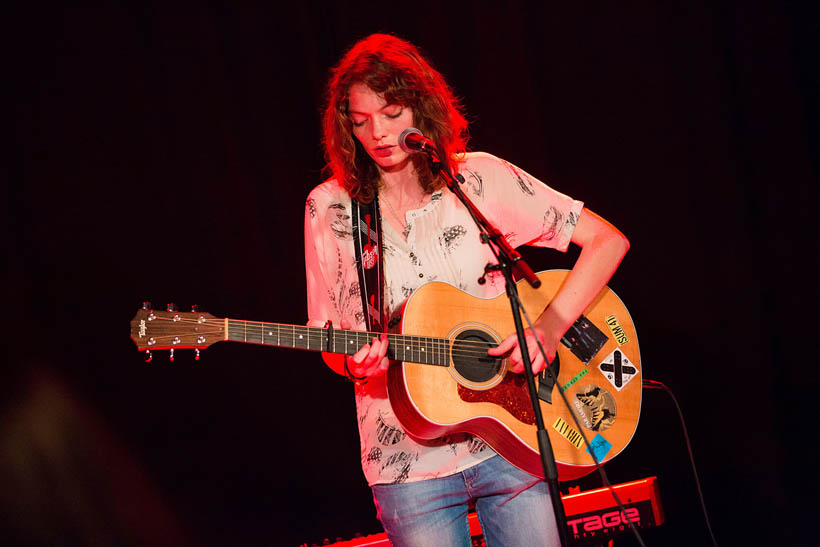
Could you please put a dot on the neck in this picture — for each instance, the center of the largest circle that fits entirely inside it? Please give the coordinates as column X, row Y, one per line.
column 402, row 186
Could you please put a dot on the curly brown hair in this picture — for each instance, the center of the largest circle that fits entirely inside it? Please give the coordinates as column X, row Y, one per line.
column 395, row 69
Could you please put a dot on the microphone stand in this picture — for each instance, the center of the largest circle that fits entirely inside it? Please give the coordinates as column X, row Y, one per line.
column 508, row 260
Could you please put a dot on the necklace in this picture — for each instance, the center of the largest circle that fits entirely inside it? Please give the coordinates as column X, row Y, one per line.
column 404, row 225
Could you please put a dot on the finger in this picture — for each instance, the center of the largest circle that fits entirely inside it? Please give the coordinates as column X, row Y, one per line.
column 345, row 324
column 516, row 361
column 383, row 362
column 374, row 356
column 355, row 363
column 505, row 346
column 315, row 323
column 538, row 363
column 385, row 343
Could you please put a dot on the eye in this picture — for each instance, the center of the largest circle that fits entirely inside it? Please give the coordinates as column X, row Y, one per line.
column 397, row 114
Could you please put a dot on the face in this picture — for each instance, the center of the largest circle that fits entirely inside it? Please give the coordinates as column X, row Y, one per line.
column 377, row 125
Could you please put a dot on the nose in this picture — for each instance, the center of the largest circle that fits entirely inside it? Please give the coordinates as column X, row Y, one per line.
column 378, row 128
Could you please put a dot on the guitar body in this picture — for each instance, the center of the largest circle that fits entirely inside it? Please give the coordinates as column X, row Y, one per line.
column 483, row 397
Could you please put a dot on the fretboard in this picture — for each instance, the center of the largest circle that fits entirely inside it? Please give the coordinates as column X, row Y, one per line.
column 416, row 349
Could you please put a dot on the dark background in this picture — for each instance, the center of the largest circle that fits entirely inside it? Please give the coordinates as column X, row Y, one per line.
column 165, row 153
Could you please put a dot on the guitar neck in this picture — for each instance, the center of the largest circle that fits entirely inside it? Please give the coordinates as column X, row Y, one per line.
column 417, row 349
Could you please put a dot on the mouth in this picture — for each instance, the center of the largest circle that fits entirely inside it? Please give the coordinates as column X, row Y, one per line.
column 383, row 151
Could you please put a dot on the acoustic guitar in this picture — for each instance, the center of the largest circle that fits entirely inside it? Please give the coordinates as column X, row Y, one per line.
column 446, row 383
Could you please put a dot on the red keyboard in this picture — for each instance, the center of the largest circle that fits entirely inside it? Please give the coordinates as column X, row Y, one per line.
column 591, row 516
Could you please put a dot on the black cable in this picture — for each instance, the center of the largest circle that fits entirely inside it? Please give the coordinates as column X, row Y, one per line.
column 654, row 384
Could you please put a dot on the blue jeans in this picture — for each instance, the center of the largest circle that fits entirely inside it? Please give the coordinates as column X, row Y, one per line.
column 513, row 507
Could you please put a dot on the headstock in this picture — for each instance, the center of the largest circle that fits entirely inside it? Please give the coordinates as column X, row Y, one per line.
column 170, row 329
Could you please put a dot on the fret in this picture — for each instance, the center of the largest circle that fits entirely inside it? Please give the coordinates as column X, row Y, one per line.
column 393, row 349
column 318, row 337
column 253, row 332
column 234, row 330
column 284, row 339
column 403, row 347
column 424, row 355
column 350, row 345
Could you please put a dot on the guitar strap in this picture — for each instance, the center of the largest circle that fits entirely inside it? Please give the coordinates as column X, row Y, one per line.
column 367, row 242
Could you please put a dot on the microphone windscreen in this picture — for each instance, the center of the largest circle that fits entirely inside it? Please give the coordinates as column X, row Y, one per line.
column 403, row 138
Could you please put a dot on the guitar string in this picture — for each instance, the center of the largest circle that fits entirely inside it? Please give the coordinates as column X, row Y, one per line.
column 414, row 341
column 437, row 345
column 434, row 348
column 300, row 329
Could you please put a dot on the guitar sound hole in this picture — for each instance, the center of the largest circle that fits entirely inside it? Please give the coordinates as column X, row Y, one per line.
column 470, row 356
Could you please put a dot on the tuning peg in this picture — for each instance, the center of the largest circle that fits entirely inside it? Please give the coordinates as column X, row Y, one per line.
column 171, row 307
column 146, row 305
column 196, row 354
column 194, row 308
column 148, row 356
column 171, row 357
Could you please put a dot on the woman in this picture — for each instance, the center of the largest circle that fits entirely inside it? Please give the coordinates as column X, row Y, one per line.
column 381, row 87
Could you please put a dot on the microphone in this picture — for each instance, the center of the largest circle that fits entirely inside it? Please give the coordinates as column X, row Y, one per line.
column 411, row 140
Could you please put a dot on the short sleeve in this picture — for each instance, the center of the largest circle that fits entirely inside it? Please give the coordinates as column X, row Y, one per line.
column 317, row 270
column 525, row 209
column 332, row 285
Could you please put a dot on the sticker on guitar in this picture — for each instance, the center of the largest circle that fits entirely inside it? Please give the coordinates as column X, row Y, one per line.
column 595, row 407
column 618, row 369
